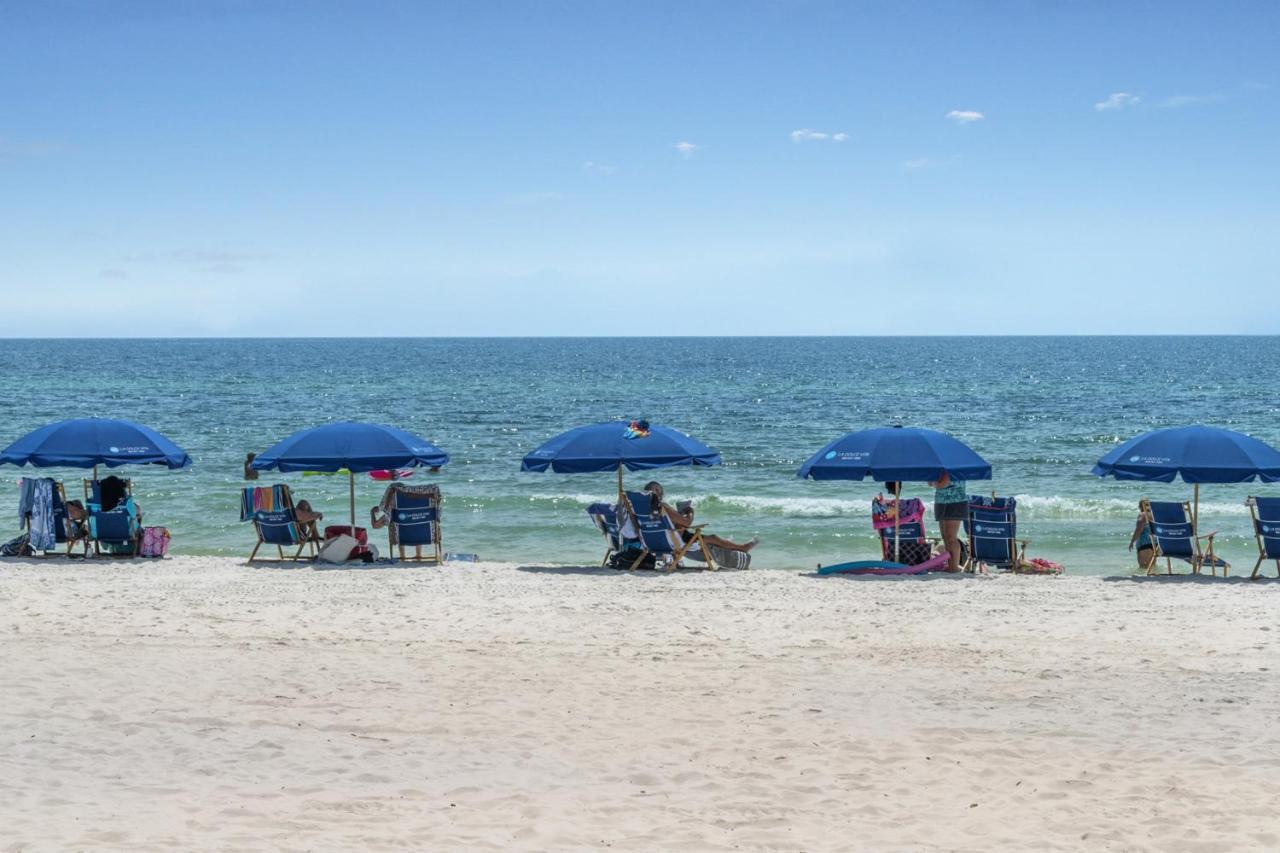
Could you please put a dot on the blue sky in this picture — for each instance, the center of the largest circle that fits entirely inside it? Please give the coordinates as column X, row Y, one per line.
column 257, row 168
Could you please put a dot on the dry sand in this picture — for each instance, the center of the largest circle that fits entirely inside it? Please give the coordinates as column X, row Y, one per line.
column 198, row 703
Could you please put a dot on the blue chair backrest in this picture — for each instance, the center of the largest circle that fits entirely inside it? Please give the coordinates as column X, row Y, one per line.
column 605, row 518
column 993, row 526
column 659, row 535
column 656, row 532
column 276, row 527
column 912, row 531
column 1171, row 529
column 117, row 525
column 415, row 518
column 1268, row 525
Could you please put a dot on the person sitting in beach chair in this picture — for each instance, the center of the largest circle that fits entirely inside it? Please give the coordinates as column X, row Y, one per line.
column 1172, row 535
column 75, row 525
column 654, row 527
column 671, row 533
column 1266, row 528
column 411, row 515
column 278, row 522
column 992, row 529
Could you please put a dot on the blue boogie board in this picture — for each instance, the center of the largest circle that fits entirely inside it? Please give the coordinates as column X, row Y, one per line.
column 873, row 567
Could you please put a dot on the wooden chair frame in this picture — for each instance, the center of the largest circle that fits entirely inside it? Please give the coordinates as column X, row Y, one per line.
column 307, row 534
column 1197, row 561
column 1252, row 503
column 677, row 553
column 128, row 493
column 1017, row 547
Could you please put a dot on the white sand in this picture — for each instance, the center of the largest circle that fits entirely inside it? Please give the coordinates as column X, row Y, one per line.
column 200, row 704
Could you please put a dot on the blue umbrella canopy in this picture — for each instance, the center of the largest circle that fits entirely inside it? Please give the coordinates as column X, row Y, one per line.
column 88, row 442
column 356, row 447
column 1197, row 454
column 898, row 454
column 635, row 445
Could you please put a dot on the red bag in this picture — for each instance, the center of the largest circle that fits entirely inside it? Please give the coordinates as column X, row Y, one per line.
column 361, row 535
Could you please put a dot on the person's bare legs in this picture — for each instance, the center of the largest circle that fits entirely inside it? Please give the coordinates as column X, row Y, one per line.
column 951, row 541
column 712, row 539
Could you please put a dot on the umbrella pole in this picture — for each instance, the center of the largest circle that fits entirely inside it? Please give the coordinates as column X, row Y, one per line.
column 1195, row 521
column 352, row 479
column 897, row 521
column 619, row 481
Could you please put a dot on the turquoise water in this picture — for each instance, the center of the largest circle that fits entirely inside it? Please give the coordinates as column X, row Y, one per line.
column 1041, row 410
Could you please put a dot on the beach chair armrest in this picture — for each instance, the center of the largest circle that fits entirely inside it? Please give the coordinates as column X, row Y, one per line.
column 1207, row 535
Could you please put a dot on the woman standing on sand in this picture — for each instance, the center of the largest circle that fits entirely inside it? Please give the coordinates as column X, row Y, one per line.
column 950, row 508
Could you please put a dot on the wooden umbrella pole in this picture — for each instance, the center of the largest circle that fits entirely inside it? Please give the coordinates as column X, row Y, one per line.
column 351, row 475
column 897, row 520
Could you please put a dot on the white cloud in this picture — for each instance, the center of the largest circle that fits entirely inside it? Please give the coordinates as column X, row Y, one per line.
column 808, row 135
column 965, row 116
column 525, row 199
column 1175, row 101
column 686, row 149
column 917, row 163
column 1117, row 101
column 595, row 168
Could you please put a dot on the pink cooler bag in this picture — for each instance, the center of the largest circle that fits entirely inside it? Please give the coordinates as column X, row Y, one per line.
column 155, row 542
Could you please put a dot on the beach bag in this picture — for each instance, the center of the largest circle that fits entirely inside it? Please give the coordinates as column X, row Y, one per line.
column 912, row 553
column 18, row 547
column 155, row 542
column 626, row 559
column 361, row 536
column 339, row 549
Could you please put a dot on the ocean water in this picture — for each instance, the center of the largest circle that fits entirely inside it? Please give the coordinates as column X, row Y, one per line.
column 1041, row 410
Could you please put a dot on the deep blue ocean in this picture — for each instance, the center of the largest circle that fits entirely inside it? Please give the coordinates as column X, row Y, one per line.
column 1041, row 410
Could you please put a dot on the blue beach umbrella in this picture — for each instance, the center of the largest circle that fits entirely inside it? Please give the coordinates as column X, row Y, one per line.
column 90, row 442
column 896, row 454
column 356, row 447
column 614, row 445
column 1197, row 454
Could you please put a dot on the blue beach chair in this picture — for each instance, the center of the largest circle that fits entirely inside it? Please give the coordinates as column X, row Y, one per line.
column 992, row 528
column 413, row 518
column 658, row 534
column 605, row 518
column 1175, row 538
column 119, row 530
column 270, row 508
column 1266, row 528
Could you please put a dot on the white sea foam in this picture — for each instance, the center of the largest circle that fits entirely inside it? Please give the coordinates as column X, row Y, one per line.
column 1029, row 506
column 1057, row 506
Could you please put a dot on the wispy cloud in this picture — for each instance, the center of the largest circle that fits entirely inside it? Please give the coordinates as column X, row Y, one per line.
column 965, row 116
column 918, row 163
column 686, row 149
column 526, row 199
column 594, row 168
column 220, row 261
column 1117, row 101
column 1173, row 102
column 809, row 135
